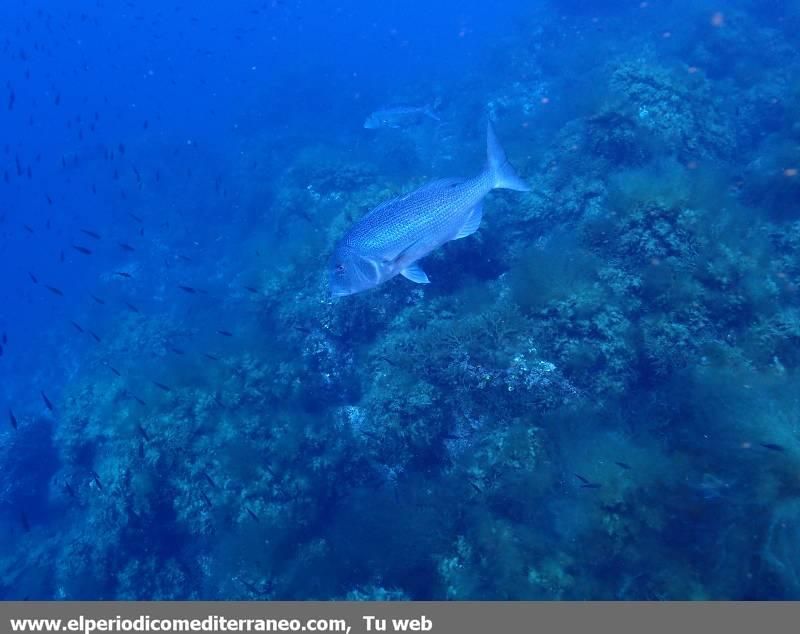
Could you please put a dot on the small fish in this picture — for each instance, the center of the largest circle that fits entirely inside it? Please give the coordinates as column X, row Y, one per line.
column 81, row 249
column 185, row 258
column 34, row 279
column 251, row 514
column 97, row 299
column 772, row 446
column 55, row 291
column 126, row 247
column 136, row 398
column 187, row 289
column 131, row 307
column 393, row 237
column 399, row 117
column 210, row 481
column 206, row 499
column 623, row 465
column 70, row 491
column 96, row 479
column 162, row 387
column 61, row 256
column 225, row 333
column 474, row 485
column 581, row 478
column 4, row 338
column 94, row 336
column 143, row 432
column 13, row 419
column 91, row 234
column 77, row 326
column 114, row 370
column 177, row 350
column 123, row 274
column 46, row 400
column 591, row 485
column 210, row 356
column 26, row 526
column 135, row 217
column 252, row 289
column 28, row 228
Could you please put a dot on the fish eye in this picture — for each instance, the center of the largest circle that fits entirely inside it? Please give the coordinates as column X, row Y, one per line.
column 340, row 269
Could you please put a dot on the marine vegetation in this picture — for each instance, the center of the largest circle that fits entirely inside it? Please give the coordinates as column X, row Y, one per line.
column 216, row 383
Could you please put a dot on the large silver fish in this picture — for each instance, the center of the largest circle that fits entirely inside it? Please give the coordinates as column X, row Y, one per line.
column 399, row 117
column 391, row 238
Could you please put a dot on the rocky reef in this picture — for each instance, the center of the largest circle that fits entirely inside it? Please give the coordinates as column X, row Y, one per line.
column 595, row 398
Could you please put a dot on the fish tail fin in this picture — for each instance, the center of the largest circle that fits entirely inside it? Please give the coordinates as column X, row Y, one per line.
column 503, row 174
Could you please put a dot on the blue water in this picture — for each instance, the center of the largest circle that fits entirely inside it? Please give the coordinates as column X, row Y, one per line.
column 596, row 397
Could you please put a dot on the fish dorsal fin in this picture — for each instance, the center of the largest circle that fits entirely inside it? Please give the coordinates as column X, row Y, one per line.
column 415, row 273
column 472, row 223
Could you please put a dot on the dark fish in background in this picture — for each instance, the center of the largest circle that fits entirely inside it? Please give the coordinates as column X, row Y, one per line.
column 1, row 350
column 55, row 291
column 81, row 249
column 26, row 526
column 135, row 217
column 187, row 289
column 34, row 279
column 177, row 350
column 143, row 433
column 162, row 387
column 4, row 338
column 97, row 299
column 587, row 484
column 77, row 326
column 91, row 234
column 126, row 247
column 131, row 307
column 772, row 446
column 133, row 396
column 623, row 465
column 114, row 370
column 61, row 256
column 210, row 356
column 123, row 274
column 46, row 400
column 96, row 479
column 28, row 228
column 225, row 333
column 70, row 491
column 251, row 514
column 12, row 419
column 252, row 289
column 209, row 480
column 94, row 336
column 206, row 499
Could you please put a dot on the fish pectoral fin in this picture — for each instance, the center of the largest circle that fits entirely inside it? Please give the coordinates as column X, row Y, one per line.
column 415, row 273
column 472, row 223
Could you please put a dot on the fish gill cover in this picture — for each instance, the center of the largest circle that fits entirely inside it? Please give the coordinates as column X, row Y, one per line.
column 595, row 396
